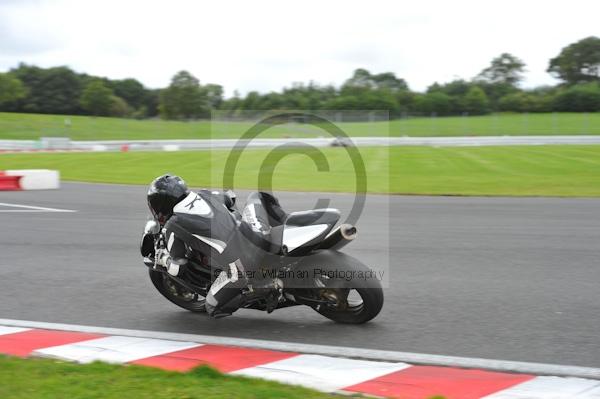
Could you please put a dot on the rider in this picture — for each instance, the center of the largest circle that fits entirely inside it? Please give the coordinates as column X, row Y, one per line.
column 207, row 221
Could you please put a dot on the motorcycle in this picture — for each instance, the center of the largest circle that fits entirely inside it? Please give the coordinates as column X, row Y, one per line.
column 303, row 266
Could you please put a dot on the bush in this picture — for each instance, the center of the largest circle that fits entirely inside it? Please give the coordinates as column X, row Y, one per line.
column 119, row 107
column 476, row 102
column 434, row 103
column 343, row 103
column 584, row 97
column 381, row 99
column 11, row 89
column 97, row 99
column 184, row 98
column 516, row 102
column 526, row 102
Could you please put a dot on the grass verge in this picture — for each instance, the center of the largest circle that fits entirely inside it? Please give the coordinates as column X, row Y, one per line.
column 43, row 378
column 15, row 126
column 511, row 171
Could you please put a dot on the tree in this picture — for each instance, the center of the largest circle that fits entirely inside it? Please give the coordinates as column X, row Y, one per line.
column 381, row 99
column 152, row 102
column 366, row 91
column 578, row 62
column 130, row 90
column 476, row 102
column 405, row 100
column 50, row 91
column 184, row 98
column 343, row 103
column 309, row 96
column 456, row 90
column 214, row 95
column 360, row 78
column 270, row 101
column 251, row 102
column 97, row 98
column 437, row 103
column 543, row 98
column 516, row 102
column 387, row 80
column 232, row 104
column 363, row 79
column 496, row 91
column 458, row 87
column 11, row 89
column 119, row 107
column 506, row 68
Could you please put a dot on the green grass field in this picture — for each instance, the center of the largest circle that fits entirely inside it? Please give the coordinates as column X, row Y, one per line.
column 511, row 171
column 43, row 379
column 32, row 126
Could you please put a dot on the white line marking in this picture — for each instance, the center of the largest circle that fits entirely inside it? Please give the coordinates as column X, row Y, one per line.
column 593, row 393
column 324, row 373
column 115, row 349
column 31, row 208
column 549, row 388
column 337, row 351
column 12, row 330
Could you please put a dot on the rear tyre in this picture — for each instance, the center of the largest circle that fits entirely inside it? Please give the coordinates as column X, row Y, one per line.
column 361, row 303
column 351, row 301
column 177, row 294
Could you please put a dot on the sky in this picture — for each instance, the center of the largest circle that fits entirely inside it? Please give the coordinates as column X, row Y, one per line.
column 266, row 45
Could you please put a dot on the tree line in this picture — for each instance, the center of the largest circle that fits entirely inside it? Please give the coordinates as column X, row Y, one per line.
column 60, row 90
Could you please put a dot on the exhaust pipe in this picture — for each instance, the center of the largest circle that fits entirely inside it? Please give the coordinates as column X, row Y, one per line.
column 340, row 237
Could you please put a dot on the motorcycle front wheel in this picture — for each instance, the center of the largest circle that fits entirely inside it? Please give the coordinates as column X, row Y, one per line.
column 176, row 293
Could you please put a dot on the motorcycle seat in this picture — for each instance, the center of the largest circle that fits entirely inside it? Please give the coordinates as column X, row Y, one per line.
column 287, row 232
column 301, row 229
column 305, row 229
column 312, row 217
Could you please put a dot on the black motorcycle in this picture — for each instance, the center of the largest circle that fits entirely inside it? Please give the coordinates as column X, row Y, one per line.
column 302, row 265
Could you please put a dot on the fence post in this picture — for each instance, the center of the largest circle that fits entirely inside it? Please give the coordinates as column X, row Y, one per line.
column 494, row 122
column 525, row 123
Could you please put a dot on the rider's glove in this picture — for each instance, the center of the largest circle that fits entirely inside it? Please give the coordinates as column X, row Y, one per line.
column 162, row 258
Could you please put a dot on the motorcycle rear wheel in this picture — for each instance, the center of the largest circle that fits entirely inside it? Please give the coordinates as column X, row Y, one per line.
column 365, row 304
column 326, row 272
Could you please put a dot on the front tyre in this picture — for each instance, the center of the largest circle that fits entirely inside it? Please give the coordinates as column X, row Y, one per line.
column 177, row 294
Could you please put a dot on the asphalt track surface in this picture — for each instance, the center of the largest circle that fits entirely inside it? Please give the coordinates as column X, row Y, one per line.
column 500, row 278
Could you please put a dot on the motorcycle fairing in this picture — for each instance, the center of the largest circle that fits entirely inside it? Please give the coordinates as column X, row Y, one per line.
column 302, row 231
column 297, row 236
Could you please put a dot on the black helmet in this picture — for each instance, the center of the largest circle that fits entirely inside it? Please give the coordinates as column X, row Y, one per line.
column 164, row 193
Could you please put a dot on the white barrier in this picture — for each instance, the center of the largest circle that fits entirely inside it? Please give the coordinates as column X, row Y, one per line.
column 29, row 179
column 207, row 144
